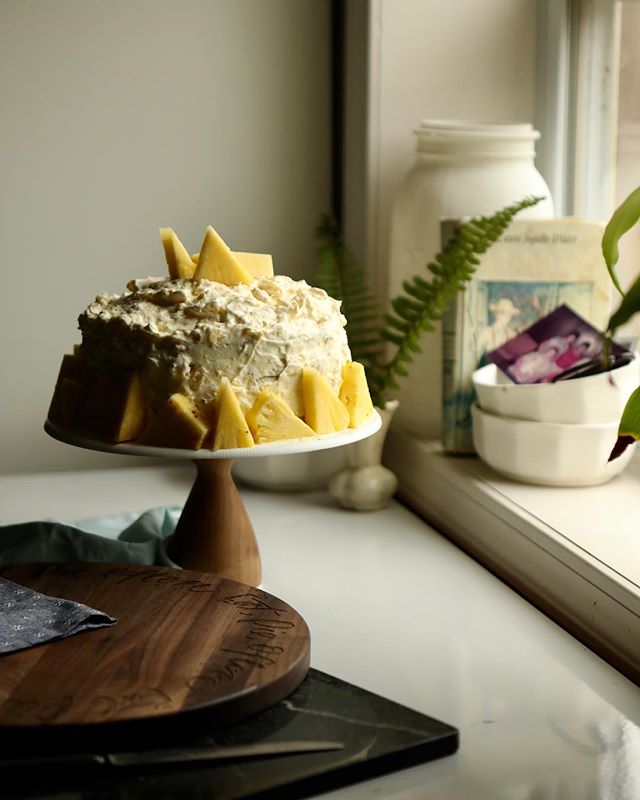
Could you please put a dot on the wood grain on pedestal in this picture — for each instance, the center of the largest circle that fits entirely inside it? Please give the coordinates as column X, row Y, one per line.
column 214, row 533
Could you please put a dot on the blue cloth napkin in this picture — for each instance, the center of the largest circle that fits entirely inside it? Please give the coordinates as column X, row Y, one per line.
column 122, row 539
column 29, row 618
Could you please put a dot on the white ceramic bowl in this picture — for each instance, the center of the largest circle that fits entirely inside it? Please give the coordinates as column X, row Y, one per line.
column 548, row 453
column 299, row 472
column 594, row 399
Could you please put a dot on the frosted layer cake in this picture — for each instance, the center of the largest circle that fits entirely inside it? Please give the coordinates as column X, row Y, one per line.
column 219, row 354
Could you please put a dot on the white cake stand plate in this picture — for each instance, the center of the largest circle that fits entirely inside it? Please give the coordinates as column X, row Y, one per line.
column 214, row 533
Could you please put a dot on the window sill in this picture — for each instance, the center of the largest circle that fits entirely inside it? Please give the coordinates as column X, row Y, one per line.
column 574, row 553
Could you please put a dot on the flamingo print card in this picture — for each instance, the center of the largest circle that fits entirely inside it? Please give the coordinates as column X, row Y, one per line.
column 554, row 344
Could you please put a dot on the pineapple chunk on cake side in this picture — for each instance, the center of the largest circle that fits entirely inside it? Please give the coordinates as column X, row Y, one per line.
column 231, row 427
column 132, row 414
column 217, row 263
column 354, row 393
column 68, row 396
column 177, row 424
column 271, row 419
column 323, row 409
column 113, row 409
column 69, row 391
column 178, row 259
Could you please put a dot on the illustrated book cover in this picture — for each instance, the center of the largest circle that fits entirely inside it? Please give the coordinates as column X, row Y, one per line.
column 537, row 266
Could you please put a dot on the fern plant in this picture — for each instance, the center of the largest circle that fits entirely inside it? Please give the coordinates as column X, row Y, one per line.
column 341, row 276
column 387, row 343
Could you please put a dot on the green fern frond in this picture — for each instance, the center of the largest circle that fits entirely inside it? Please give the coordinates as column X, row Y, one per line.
column 411, row 314
column 424, row 302
column 342, row 277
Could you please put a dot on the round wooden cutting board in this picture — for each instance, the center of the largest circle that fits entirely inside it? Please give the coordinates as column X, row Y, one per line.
column 187, row 646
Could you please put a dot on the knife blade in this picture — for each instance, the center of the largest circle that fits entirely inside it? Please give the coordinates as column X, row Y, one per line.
column 179, row 755
column 183, row 755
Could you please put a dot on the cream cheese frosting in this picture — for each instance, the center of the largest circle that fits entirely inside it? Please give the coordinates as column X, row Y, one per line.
column 185, row 336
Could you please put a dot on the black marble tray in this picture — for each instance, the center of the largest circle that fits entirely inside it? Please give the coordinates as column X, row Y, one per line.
column 379, row 736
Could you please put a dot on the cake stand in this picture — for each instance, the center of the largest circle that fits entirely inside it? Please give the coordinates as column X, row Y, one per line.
column 214, row 533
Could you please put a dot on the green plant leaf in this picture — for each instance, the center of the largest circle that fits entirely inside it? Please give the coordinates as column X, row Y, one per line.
column 394, row 338
column 630, row 420
column 623, row 218
column 629, row 305
column 629, row 427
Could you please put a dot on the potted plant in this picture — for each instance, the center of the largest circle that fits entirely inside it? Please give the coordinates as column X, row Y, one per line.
column 386, row 343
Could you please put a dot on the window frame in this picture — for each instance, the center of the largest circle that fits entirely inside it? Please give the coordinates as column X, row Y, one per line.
column 578, row 57
column 577, row 101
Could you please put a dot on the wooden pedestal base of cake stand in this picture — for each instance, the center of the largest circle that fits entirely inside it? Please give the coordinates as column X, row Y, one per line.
column 214, row 533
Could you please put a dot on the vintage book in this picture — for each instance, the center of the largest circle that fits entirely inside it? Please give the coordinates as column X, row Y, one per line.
column 535, row 267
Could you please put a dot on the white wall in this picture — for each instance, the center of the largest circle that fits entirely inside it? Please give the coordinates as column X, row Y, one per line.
column 461, row 59
column 121, row 116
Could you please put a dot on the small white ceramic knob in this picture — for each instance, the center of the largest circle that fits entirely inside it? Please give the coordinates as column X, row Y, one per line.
column 365, row 488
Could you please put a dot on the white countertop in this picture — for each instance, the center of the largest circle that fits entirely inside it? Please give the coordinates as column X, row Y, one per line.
column 396, row 608
column 571, row 551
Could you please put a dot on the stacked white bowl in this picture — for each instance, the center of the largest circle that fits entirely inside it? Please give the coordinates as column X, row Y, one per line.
column 553, row 434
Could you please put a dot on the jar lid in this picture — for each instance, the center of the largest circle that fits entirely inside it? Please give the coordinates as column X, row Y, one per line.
column 506, row 138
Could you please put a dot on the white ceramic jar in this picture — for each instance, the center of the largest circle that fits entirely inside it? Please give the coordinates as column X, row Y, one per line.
column 461, row 169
